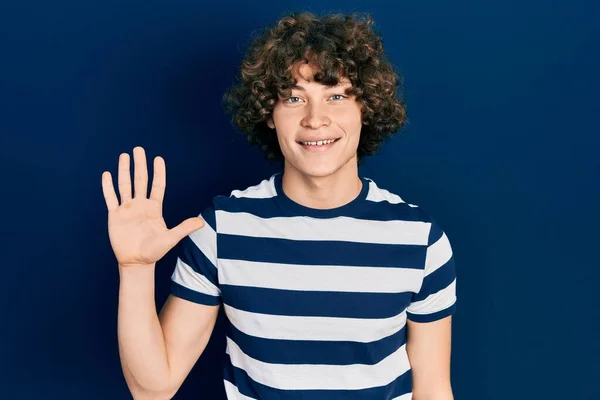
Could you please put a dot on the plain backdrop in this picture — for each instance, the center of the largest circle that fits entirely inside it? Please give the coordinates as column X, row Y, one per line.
column 501, row 149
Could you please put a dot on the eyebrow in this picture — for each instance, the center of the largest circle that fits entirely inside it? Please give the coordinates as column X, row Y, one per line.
column 301, row 88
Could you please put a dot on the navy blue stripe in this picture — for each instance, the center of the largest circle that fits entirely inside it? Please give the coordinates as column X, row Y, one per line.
column 291, row 206
column 315, row 303
column 190, row 254
column 433, row 316
column 310, row 252
column 209, row 216
column 437, row 280
column 435, row 233
column 370, row 210
column 240, row 379
column 248, row 387
column 279, row 351
column 191, row 295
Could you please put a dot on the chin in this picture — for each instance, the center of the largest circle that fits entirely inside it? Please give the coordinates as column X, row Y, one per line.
column 321, row 170
column 319, row 173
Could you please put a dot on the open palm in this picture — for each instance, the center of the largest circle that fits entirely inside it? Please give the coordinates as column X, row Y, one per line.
column 136, row 228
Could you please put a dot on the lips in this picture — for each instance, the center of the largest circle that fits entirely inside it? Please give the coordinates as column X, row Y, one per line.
column 316, row 140
column 318, row 148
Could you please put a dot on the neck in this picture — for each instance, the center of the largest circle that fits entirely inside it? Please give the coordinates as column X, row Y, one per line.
column 322, row 192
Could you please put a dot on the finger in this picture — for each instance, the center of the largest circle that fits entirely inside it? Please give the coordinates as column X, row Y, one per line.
column 140, row 172
column 159, row 180
column 108, row 190
column 183, row 229
column 124, row 178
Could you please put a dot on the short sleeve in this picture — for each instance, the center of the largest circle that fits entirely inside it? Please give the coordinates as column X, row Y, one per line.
column 195, row 277
column 436, row 298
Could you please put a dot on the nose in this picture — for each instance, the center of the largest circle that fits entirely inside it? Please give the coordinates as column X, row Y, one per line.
column 315, row 117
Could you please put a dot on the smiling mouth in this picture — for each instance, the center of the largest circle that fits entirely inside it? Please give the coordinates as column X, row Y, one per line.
column 319, row 142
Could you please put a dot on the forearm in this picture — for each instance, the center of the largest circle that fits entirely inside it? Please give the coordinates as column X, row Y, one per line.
column 441, row 396
column 433, row 394
column 141, row 342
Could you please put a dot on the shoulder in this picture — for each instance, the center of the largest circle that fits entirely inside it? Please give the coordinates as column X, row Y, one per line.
column 390, row 205
column 379, row 194
column 246, row 199
column 392, row 201
column 262, row 190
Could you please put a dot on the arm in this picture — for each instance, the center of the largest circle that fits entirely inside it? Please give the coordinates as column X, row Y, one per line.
column 429, row 319
column 428, row 348
column 158, row 353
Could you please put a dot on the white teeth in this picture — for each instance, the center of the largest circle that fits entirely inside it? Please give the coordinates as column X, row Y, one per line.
column 319, row 143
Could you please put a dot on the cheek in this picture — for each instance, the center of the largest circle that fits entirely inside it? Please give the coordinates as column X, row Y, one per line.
column 348, row 115
column 282, row 117
column 351, row 122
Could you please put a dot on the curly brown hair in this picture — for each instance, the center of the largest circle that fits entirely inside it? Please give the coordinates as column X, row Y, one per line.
column 336, row 46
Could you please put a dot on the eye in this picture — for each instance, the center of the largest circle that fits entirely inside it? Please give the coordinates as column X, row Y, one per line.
column 289, row 98
column 342, row 96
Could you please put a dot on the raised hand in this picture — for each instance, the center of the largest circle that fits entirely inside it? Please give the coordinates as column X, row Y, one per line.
column 136, row 228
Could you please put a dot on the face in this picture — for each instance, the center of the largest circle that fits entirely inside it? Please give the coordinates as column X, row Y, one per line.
column 318, row 127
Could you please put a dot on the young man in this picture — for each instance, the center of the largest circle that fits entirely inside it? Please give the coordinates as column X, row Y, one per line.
column 333, row 287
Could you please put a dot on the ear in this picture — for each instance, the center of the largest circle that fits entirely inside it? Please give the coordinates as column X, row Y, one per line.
column 270, row 123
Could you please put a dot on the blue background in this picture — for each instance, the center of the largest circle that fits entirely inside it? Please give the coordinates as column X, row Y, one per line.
column 501, row 149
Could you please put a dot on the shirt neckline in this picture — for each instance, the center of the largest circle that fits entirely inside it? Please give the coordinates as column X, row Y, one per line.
column 298, row 209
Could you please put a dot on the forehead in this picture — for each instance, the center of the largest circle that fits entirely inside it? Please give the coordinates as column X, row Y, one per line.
column 304, row 74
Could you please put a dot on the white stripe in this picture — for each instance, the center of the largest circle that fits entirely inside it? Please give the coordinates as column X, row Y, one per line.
column 318, row 376
column 186, row 276
column 205, row 239
column 319, row 277
column 263, row 190
column 436, row 302
column 406, row 396
column 336, row 229
column 233, row 393
column 267, row 326
column 378, row 195
column 438, row 254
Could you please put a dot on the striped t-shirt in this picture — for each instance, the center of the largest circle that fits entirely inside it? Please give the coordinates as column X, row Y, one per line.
column 317, row 300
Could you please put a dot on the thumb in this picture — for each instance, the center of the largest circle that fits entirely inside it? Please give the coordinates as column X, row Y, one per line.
column 185, row 228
